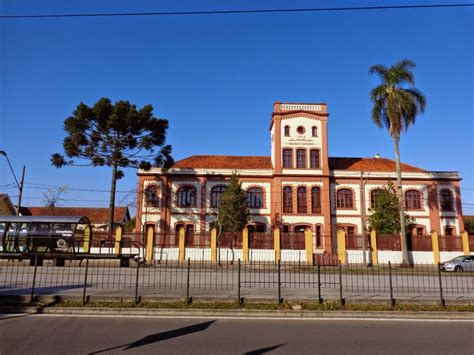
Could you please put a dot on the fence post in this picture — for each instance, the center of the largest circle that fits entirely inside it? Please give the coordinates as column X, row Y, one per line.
column 320, row 300
column 392, row 300
column 85, row 298
column 182, row 237
column 341, row 299
column 239, row 299
column 308, row 243
column 118, row 240
column 465, row 243
column 442, row 301
column 435, row 246
column 150, row 236
column 214, row 244
column 280, row 300
column 276, row 244
column 137, row 298
column 373, row 246
column 188, row 299
column 32, row 297
column 87, row 239
column 245, row 244
column 341, row 246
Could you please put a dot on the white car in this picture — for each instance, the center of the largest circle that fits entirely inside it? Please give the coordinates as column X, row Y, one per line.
column 459, row 264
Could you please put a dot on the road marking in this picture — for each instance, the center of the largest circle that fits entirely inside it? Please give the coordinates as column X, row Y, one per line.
column 276, row 318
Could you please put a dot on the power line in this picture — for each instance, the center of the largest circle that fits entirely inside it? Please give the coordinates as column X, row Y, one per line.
column 75, row 189
column 237, row 11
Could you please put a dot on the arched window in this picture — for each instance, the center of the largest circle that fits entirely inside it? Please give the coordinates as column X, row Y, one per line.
column 255, row 197
column 301, row 158
column 300, row 228
column 413, row 200
column 287, row 200
column 449, row 231
column 186, row 196
column 314, row 159
column 287, row 131
column 374, row 195
column 316, row 200
column 301, row 200
column 419, row 231
column 257, row 227
column 216, row 193
column 287, row 158
column 344, row 199
column 314, row 131
column 446, row 200
column 319, row 236
column 151, row 196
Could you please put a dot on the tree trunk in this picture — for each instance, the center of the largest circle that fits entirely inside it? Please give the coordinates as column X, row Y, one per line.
column 403, row 235
column 112, row 200
column 232, row 247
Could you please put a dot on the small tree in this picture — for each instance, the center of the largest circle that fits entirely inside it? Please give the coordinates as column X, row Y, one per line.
column 53, row 196
column 233, row 213
column 469, row 224
column 385, row 216
column 115, row 135
column 130, row 225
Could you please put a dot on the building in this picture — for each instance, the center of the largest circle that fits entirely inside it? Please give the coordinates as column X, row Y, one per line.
column 7, row 208
column 298, row 186
column 98, row 216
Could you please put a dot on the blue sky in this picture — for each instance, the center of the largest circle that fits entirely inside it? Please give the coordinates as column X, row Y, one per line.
column 216, row 77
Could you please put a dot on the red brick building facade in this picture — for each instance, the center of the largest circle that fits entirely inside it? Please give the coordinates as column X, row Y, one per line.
column 298, row 186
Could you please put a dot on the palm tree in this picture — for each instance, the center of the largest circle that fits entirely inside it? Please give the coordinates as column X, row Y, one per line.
column 396, row 105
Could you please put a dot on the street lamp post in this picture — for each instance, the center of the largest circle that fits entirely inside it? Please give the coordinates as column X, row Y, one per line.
column 19, row 185
column 363, row 213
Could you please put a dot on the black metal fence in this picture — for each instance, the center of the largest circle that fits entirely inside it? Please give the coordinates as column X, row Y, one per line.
column 297, row 280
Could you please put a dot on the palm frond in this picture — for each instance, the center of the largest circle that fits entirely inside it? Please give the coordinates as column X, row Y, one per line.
column 379, row 113
column 418, row 97
column 396, row 107
column 379, row 69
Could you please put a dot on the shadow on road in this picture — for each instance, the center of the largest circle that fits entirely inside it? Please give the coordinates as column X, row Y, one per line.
column 264, row 350
column 16, row 307
column 154, row 338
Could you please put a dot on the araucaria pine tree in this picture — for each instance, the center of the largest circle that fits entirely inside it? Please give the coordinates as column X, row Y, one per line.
column 114, row 135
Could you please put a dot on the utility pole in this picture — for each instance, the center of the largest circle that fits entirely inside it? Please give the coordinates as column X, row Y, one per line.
column 19, row 185
column 363, row 212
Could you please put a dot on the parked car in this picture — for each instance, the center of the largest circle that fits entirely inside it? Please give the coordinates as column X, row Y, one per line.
column 459, row 264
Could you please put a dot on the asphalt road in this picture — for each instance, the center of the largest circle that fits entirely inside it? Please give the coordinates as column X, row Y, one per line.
column 42, row 334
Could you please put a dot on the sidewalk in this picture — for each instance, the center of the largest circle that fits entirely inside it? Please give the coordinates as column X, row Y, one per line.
column 215, row 308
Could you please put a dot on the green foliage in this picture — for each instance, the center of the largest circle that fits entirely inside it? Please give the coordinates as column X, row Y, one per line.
column 119, row 135
column 233, row 212
column 115, row 135
column 130, row 225
column 469, row 224
column 385, row 216
column 395, row 106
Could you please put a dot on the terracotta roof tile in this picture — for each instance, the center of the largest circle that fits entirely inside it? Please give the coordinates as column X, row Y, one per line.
column 261, row 162
column 363, row 164
column 224, row 162
column 96, row 215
